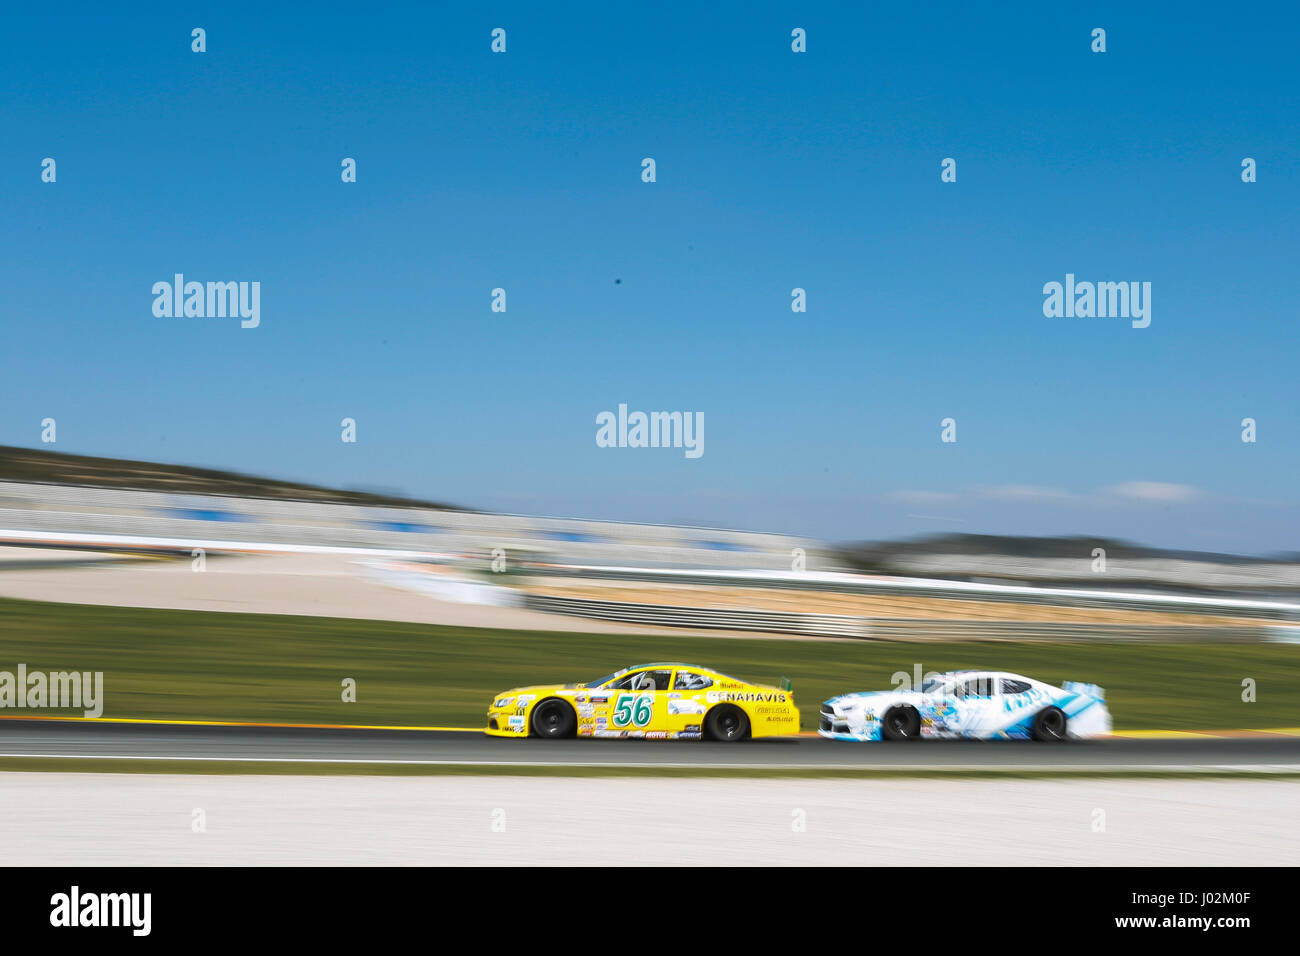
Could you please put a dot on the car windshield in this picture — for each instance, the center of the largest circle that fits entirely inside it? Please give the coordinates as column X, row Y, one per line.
column 935, row 685
column 600, row 681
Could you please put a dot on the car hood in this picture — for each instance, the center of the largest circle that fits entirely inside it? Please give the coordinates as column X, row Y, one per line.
column 534, row 689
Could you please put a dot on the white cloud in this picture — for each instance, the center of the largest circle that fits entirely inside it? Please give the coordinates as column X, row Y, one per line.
column 1155, row 491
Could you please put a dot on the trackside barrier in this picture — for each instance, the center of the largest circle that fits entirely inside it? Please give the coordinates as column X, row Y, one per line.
column 890, row 629
column 847, row 583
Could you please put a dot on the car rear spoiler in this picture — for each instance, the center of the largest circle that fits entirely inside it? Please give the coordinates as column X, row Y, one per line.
column 1078, row 687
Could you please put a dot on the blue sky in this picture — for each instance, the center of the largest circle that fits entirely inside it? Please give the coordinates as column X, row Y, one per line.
column 775, row 170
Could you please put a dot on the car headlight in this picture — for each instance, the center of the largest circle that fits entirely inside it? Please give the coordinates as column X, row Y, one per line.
column 503, row 702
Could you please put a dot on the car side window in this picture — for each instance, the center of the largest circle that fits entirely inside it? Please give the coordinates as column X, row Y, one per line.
column 645, row 680
column 688, row 680
column 977, row 687
column 1014, row 686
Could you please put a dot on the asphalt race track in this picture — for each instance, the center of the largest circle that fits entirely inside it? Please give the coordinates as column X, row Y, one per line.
column 22, row 738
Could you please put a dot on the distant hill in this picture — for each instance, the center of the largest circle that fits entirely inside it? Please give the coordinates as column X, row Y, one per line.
column 49, row 467
column 884, row 555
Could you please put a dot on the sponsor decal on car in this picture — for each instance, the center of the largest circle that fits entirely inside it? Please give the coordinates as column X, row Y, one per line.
column 746, row 697
column 1012, row 702
column 686, row 707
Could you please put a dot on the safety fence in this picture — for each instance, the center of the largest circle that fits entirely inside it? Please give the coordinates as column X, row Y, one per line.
column 897, row 629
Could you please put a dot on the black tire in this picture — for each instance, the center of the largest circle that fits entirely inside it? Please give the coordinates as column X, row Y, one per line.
column 900, row 723
column 726, row 723
column 1050, row 724
column 554, row 718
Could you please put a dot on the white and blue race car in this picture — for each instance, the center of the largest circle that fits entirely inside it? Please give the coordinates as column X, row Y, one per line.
column 986, row 705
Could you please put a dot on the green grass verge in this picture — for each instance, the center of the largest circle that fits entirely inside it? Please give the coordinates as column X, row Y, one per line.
column 203, row 665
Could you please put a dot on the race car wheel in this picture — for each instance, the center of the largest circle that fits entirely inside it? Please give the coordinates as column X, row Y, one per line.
column 554, row 718
column 1050, row 724
column 726, row 723
column 901, row 723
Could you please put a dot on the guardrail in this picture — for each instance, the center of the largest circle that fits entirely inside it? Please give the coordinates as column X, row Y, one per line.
column 846, row 583
column 825, row 625
column 894, row 629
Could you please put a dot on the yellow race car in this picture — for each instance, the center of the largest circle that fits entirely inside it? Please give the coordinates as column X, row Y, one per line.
column 664, row 701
